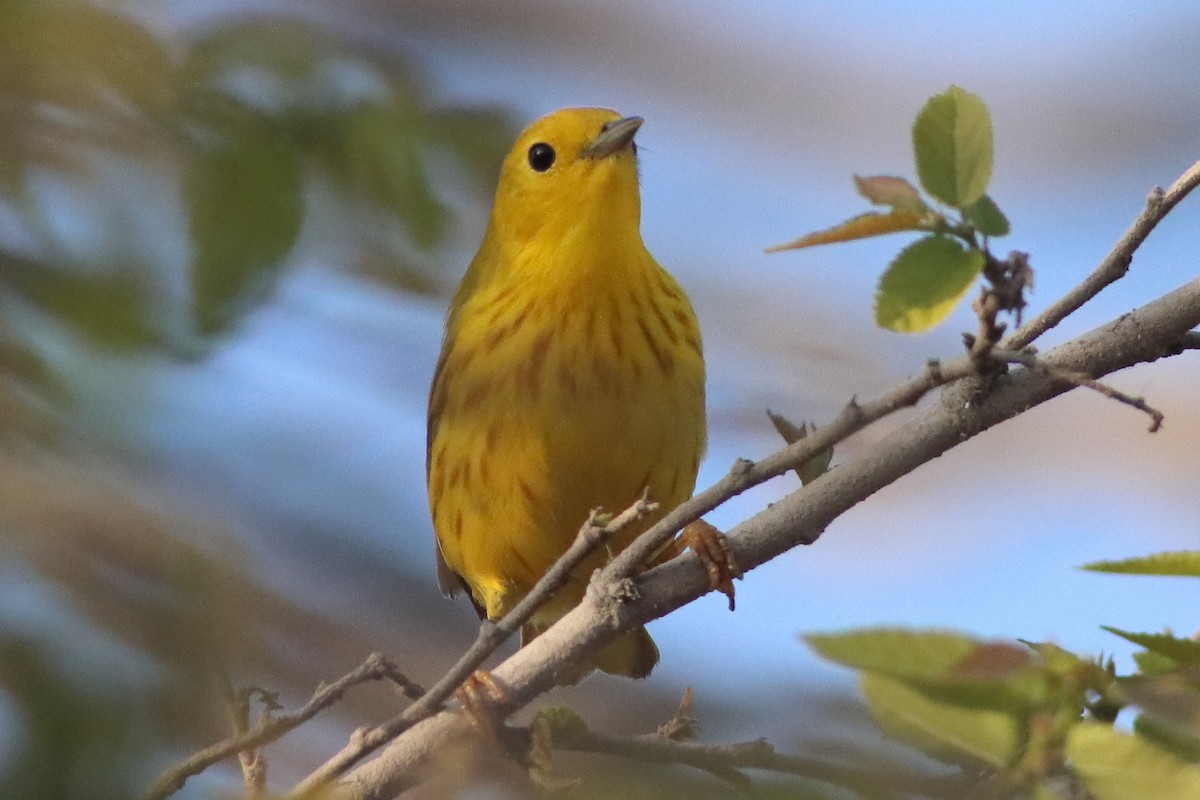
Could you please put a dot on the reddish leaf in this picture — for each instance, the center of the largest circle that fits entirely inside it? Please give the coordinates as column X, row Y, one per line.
column 860, row 227
column 993, row 661
column 884, row 190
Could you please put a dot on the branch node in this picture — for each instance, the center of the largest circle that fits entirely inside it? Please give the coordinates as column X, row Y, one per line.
column 682, row 726
column 741, row 467
column 1081, row 379
column 934, row 368
column 1113, row 266
column 853, row 412
column 622, row 592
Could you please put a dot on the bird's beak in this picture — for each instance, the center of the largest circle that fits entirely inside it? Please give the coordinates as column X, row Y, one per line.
column 613, row 137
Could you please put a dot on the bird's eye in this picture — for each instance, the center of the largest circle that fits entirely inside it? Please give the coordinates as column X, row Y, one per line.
column 541, row 157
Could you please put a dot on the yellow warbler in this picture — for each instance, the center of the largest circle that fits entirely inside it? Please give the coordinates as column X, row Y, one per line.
column 571, row 376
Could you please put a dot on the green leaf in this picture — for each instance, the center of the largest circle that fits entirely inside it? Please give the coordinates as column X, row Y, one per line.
column 1115, row 766
column 290, row 53
column 1151, row 663
column 64, row 720
column 884, row 190
column 81, row 57
column 1059, row 660
column 1065, row 669
column 245, row 208
column 17, row 161
column 1044, row 792
column 563, row 725
column 1184, row 651
column 949, row 733
column 944, row 665
column 952, row 142
column 986, row 217
column 899, row 652
column 478, row 137
column 19, row 360
column 861, row 227
column 816, row 466
column 112, row 311
column 384, row 164
column 924, row 284
column 1171, row 699
column 1167, row 737
column 1184, row 563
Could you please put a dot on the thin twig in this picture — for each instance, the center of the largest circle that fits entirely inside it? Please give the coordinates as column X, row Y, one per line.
column 270, row 728
column 1004, row 291
column 726, row 761
column 1114, row 265
column 853, row 418
column 251, row 760
column 1031, row 361
column 681, row 726
column 746, row 474
column 237, row 704
column 1190, row 341
column 491, row 635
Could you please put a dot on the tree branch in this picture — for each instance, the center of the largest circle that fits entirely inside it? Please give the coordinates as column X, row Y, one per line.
column 252, row 761
column 726, row 761
column 268, row 729
column 237, row 705
column 1114, row 265
column 1080, row 379
column 1190, row 341
column 491, row 635
column 746, row 474
column 965, row 410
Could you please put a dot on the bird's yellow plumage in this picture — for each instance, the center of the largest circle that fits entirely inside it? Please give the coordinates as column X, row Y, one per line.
column 570, row 378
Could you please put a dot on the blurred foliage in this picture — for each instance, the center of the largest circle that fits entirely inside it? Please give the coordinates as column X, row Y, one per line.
column 1034, row 720
column 153, row 188
column 76, row 742
column 116, row 610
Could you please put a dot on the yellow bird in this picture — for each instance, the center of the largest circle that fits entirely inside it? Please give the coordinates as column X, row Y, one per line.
column 571, row 377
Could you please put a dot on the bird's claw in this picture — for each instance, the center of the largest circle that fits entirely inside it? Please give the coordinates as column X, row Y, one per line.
column 714, row 552
column 480, row 694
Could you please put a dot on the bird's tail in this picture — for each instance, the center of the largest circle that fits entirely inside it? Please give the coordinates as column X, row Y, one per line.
column 630, row 655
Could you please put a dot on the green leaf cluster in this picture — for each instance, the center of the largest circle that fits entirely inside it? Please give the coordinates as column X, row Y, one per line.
column 77, row 740
column 952, row 147
column 1032, row 719
column 248, row 134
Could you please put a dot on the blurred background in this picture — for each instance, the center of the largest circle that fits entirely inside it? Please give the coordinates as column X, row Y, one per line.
column 228, row 233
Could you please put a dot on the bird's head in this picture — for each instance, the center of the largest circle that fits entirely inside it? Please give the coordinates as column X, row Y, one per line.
column 571, row 171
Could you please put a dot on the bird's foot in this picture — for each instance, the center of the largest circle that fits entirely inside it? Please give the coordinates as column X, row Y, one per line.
column 480, row 695
column 713, row 549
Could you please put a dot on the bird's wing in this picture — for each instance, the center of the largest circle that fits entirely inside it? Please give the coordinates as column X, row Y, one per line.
column 449, row 581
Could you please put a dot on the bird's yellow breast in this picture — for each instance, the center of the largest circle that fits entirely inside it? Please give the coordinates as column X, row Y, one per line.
column 557, row 398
